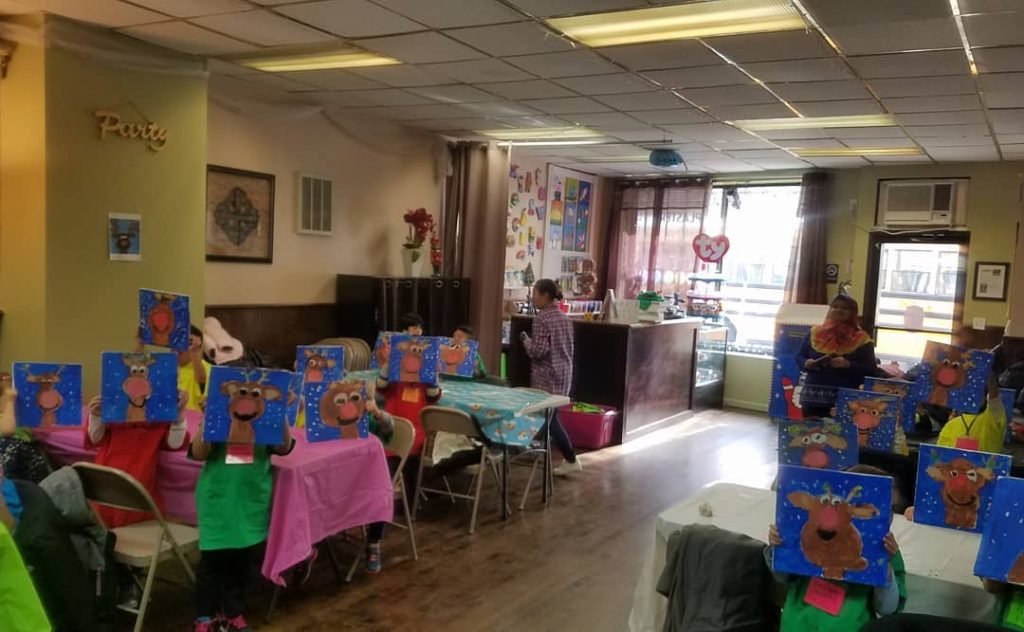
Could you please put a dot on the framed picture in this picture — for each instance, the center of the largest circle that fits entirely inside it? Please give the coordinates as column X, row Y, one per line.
column 124, row 237
column 990, row 281
column 239, row 215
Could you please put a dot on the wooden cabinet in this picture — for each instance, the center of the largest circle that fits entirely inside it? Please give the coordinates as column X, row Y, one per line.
column 367, row 305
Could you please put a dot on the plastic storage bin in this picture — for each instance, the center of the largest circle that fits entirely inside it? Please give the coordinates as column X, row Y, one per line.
column 588, row 430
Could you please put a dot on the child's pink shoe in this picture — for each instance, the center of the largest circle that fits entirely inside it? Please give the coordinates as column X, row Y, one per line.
column 237, row 624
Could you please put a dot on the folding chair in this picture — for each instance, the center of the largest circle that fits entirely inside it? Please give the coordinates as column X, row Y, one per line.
column 436, row 419
column 144, row 544
column 401, row 444
column 542, row 453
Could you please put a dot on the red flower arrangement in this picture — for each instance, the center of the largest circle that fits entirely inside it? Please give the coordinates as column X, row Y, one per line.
column 421, row 224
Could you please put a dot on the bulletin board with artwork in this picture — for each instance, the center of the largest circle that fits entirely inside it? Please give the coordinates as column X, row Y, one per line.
column 524, row 230
column 570, row 256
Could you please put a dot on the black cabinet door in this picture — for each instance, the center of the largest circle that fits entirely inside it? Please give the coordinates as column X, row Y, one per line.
column 357, row 298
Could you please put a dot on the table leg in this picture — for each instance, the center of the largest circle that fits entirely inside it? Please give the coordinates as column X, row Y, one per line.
column 505, row 469
column 547, row 455
column 338, row 575
column 273, row 604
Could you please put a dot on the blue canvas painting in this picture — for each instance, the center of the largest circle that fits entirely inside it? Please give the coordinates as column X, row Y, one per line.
column 139, row 387
column 874, row 415
column 1009, row 399
column 954, row 487
column 1001, row 556
column 336, row 410
column 164, row 319
column 786, row 375
column 382, row 349
column 901, row 389
column 294, row 398
column 832, row 525
column 458, row 358
column 953, row 377
column 247, row 406
column 827, row 444
column 320, row 363
column 49, row 395
column 414, row 359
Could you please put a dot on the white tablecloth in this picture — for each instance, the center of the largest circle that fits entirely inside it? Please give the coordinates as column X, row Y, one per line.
column 940, row 562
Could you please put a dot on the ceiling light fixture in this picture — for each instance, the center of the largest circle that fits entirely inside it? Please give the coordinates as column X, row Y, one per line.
column 816, row 122
column 317, row 61
column 955, row 6
column 552, row 143
column 686, row 21
column 540, row 133
column 835, row 152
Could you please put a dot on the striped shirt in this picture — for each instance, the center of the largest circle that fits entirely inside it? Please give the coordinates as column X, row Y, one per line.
column 551, row 350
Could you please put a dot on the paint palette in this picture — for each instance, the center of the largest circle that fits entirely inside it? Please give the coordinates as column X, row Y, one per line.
column 139, row 387
column 955, row 487
column 49, row 395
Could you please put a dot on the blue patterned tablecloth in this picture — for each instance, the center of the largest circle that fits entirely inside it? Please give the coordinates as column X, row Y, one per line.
column 496, row 408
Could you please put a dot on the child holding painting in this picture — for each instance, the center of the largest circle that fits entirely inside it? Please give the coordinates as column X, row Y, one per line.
column 984, row 431
column 20, row 455
column 465, row 333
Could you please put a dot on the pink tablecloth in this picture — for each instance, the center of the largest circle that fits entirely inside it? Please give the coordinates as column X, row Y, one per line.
column 319, row 490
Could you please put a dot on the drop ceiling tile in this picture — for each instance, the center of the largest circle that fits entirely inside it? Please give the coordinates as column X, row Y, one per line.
column 519, row 38
column 963, row 154
column 335, row 79
column 838, row 162
column 956, row 141
column 947, row 130
column 812, row 142
column 838, row 108
column 729, row 95
column 1010, row 139
column 453, row 94
column 350, row 18
column 571, row 105
column 110, row 13
column 499, row 109
column 1009, row 59
column 923, row 64
column 831, row 13
column 454, row 124
column 619, row 83
column 877, row 142
column 778, row 46
column 335, row 98
column 610, row 120
column 391, row 96
column 743, row 112
column 188, row 38
column 1007, row 121
column 558, row 65
column 924, row 86
column 891, row 37
column 988, row 6
column 867, row 132
column 707, row 132
column 550, row 8
column 534, row 89
column 193, row 8
column 639, row 134
column 1012, row 152
column 793, row 137
column 699, row 77
column 402, row 76
column 728, row 165
column 931, row 104
column 221, row 67
column 480, row 71
column 995, row 29
column 1004, row 99
column 537, row 120
column 965, row 117
column 757, row 154
column 828, row 69
column 642, row 101
column 1002, row 81
column 420, row 48
column 453, row 13
column 662, row 55
column 273, row 80
column 821, row 91
column 748, row 142
column 895, row 160
column 777, row 164
column 412, row 112
column 262, row 28
column 619, row 150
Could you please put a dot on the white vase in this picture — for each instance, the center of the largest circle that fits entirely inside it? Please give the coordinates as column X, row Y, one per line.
column 412, row 262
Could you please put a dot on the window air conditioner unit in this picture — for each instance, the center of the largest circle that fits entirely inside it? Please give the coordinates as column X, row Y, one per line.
column 922, row 203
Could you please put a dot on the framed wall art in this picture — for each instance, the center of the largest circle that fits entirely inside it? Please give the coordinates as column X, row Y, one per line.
column 239, row 215
column 990, row 281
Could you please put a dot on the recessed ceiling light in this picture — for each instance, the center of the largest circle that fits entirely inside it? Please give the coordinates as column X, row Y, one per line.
column 540, row 133
column 317, row 61
column 686, row 21
column 832, row 152
column 862, row 120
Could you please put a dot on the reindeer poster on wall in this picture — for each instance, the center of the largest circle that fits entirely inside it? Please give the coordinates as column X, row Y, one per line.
column 1001, row 556
column 164, row 319
column 953, row 377
column 336, row 410
column 457, row 358
column 897, row 388
column 49, row 395
column 873, row 414
column 124, row 237
column 320, row 363
column 382, row 349
column 247, row 406
column 139, row 387
column 827, row 444
column 414, row 359
column 832, row 525
column 954, row 487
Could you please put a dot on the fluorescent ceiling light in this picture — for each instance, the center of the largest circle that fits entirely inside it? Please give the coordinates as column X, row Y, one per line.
column 317, row 61
column 552, row 143
column 686, row 21
column 954, row 5
column 815, row 122
column 832, row 152
column 540, row 133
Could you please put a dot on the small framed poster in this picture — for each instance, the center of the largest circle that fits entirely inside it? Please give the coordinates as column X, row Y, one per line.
column 990, row 281
column 124, row 237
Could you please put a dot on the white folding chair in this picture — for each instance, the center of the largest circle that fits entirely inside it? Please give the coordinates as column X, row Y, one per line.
column 141, row 545
column 542, row 454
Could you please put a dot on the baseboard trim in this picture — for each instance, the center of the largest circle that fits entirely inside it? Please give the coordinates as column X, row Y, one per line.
column 760, row 407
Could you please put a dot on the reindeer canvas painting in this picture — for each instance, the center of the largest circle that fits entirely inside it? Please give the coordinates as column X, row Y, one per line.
column 320, row 363
column 953, row 377
column 164, row 319
column 413, row 359
column 907, row 409
column 294, row 398
column 827, row 445
column 832, row 525
column 139, row 387
column 49, row 395
column 1001, row 556
column 954, row 487
column 873, row 414
column 382, row 349
column 336, row 410
column 457, row 358
column 247, row 406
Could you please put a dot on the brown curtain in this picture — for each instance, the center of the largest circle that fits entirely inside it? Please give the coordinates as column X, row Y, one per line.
column 806, row 282
column 473, row 229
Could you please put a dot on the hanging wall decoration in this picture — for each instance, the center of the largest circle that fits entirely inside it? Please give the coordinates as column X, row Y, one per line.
column 239, row 215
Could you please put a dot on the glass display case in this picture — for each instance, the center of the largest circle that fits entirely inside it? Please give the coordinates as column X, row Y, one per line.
column 709, row 369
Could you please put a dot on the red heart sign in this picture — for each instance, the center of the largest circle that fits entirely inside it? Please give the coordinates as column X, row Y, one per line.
column 710, row 249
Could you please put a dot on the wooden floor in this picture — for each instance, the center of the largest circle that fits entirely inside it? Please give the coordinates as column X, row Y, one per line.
column 571, row 566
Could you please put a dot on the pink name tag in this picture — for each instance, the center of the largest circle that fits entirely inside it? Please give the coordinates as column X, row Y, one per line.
column 238, row 454
column 825, row 596
column 968, row 443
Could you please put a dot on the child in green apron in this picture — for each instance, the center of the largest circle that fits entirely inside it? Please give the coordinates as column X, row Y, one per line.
column 20, row 608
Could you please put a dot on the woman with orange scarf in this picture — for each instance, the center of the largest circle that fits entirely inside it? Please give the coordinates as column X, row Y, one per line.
column 837, row 354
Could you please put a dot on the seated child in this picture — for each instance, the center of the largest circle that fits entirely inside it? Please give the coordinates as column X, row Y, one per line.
column 1011, row 599
column 233, row 503
column 987, row 428
column 411, row 324
column 20, row 455
column 861, row 603
column 465, row 333
column 193, row 370
column 20, row 607
column 383, row 425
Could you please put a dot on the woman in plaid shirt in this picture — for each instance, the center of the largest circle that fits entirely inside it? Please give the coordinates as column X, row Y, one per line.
column 550, row 351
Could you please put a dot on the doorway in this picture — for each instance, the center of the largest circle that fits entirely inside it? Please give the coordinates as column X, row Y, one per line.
column 915, row 292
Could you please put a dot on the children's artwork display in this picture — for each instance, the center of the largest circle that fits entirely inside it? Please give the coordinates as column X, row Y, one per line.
column 569, row 214
column 414, row 359
column 139, row 387
column 953, row 377
column 1001, row 556
column 320, row 363
column 524, row 230
column 336, row 410
column 827, row 444
column 247, row 406
column 382, row 349
column 833, row 524
column 873, row 414
column 49, row 395
column 164, row 319
column 954, row 487
column 572, row 212
column 582, row 216
column 786, row 375
column 457, row 358
column 897, row 388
